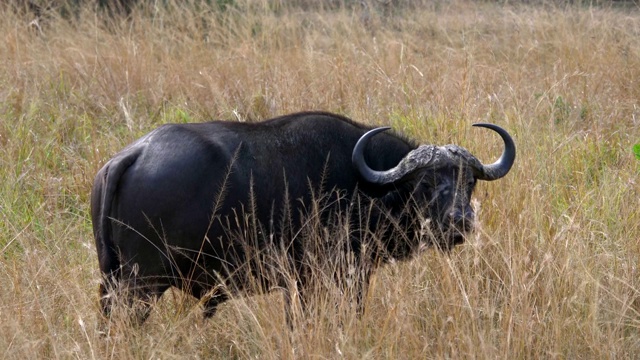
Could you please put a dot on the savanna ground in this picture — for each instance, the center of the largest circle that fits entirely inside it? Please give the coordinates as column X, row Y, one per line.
column 551, row 271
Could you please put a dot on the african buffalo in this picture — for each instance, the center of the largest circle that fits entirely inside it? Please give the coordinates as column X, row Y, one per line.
column 197, row 206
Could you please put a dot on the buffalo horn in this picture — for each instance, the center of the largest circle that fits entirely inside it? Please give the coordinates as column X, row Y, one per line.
column 357, row 158
column 501, row 167
column 429, row 155
column 420, row 157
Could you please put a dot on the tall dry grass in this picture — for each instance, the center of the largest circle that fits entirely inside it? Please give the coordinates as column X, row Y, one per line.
column 551, row 271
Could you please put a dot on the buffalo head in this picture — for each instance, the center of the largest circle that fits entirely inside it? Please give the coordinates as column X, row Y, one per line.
column 439, row 181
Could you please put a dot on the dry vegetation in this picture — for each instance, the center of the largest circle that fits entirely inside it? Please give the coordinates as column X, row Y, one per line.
column 551, row 272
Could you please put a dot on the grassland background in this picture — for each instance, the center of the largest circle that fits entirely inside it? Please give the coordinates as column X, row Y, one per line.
column 551, row 272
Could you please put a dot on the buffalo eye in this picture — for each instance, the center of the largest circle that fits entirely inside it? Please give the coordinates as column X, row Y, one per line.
column 442, row 190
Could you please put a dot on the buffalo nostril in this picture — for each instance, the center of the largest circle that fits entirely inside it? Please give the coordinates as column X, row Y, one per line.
column 456, row 217
column 461, row 219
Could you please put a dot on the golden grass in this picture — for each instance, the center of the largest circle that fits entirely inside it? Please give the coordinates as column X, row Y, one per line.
column 551, row 272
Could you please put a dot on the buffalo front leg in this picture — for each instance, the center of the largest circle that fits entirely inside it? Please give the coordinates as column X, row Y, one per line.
column 357, row 285
column 211, row 302
column 294, row 304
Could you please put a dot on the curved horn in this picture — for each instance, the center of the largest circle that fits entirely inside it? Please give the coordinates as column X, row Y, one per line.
column 501, row 167
column 357, row 158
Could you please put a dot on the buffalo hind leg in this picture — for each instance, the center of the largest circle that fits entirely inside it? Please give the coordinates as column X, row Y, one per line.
column 136, row 301
column 108, row 292
column 142, row 299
